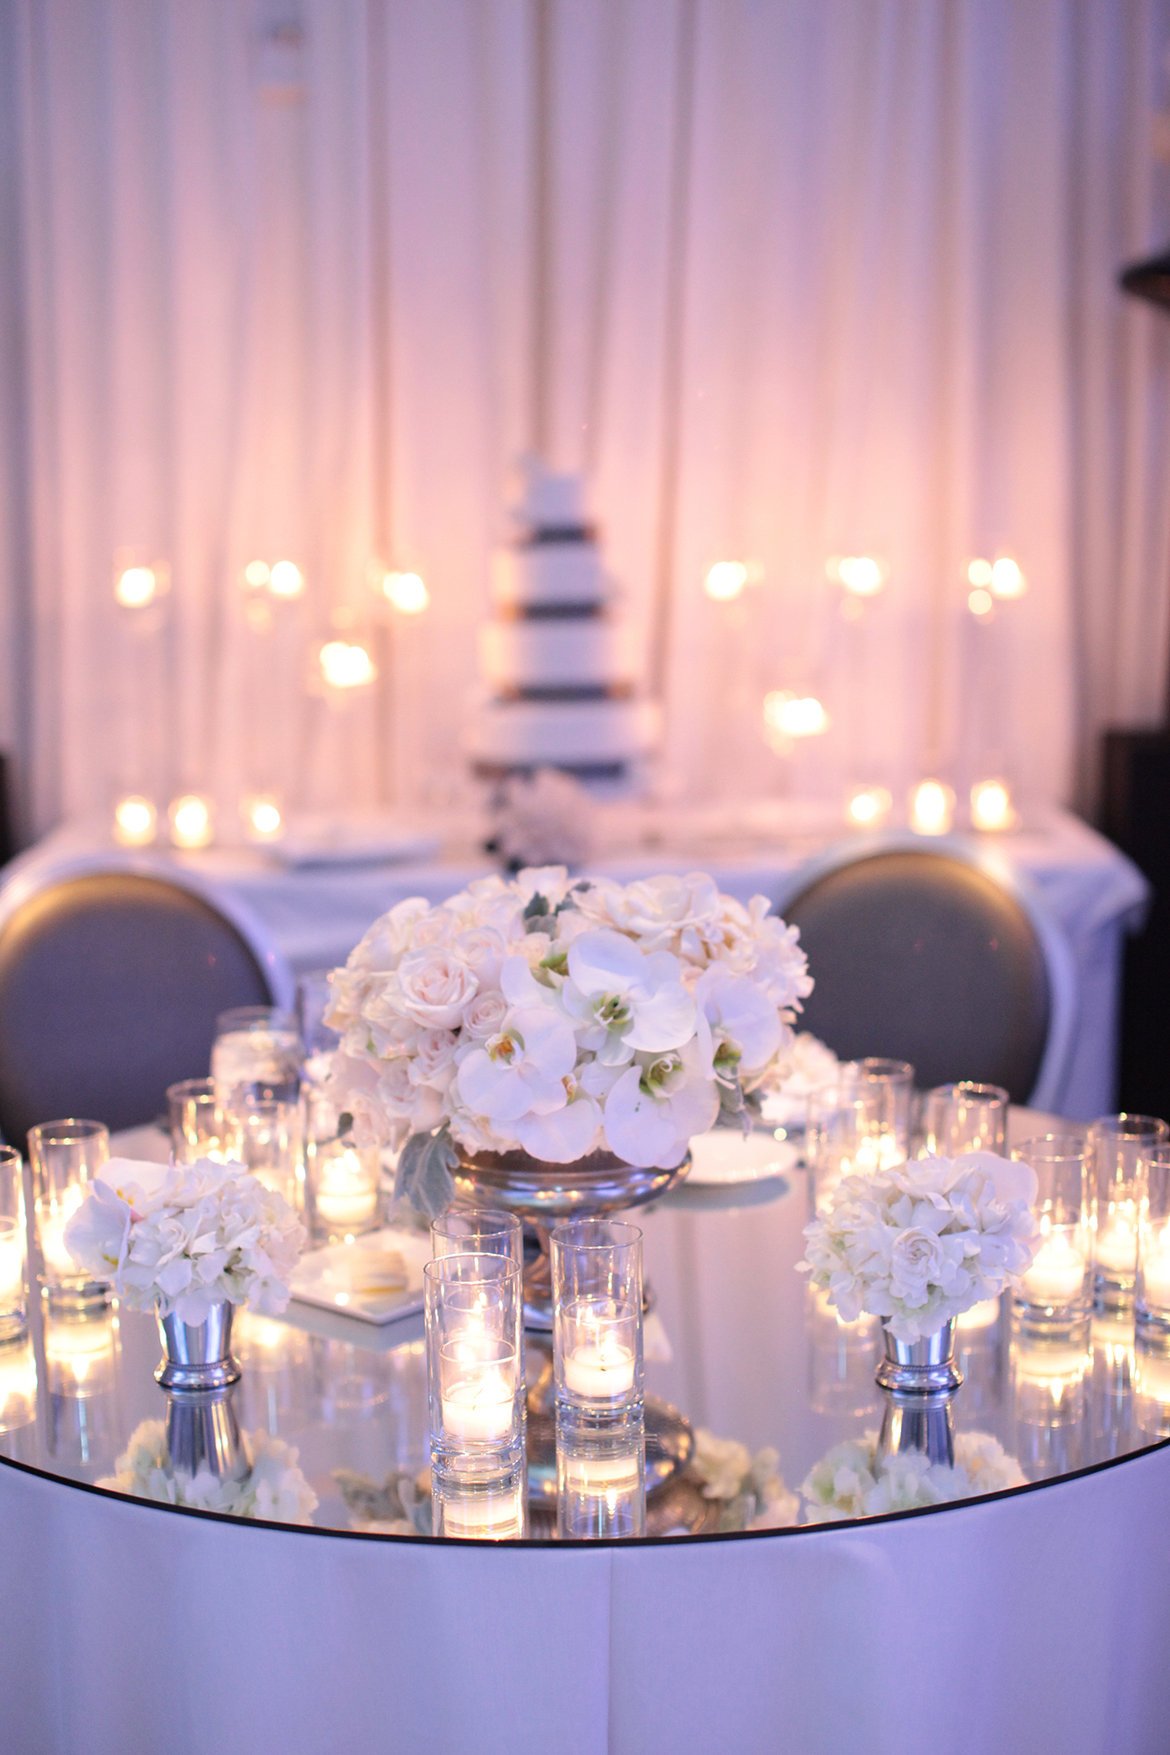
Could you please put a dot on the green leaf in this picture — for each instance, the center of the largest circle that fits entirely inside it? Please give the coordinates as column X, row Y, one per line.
column 424, row 1172
column 536, row 908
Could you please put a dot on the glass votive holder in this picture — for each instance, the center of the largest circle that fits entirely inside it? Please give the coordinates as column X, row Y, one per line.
column 964, row 1117
column 854, row 1125
column 480, row 1511
column 597, row 1318
column 256, row 1045
column 81, row 1354
column 319, row 1043
column 478, row 1231
column 13, row 1275
column 342, row 1189
column 265, row 1133
column 1152, row 1386
column 198, row 1125
column 1152, row 1300
column 841, row 1357
column 65, row 1157
column 475, row 1370
column 18, row 1386
column 1058, row 1287
column 601, row 1481
column 1118, row 1149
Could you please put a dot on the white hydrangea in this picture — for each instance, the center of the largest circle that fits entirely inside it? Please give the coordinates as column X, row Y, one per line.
column 187, row 1237
column 564, row 1016
column 272, row 1488
column 921, row 1242
column 852, row 1480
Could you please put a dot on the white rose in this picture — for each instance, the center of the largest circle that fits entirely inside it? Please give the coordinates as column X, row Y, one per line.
column 484, row 1015
column 433, row 986
column 666, row 913
column 433, row 1059
column 385, row 942
column 1012, row 1184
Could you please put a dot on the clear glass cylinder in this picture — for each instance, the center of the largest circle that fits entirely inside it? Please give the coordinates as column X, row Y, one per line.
column 256, row 1045
column 601, row 1481
column 342, row 1189
column 475, row 1375
column 857, row 1123
column 266, row 1135
column 65, row 1157
column 1058, row 1287
column 473, row 1511
column 1119, row 1148
column 479, row 1231
column 13, row 1265
column 319, row 1043
column 1152, row 1301
column 198, row 1125
column 597, row 1317
column 964, row 1117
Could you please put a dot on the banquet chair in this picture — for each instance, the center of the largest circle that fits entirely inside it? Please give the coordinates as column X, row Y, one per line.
column 113, row 969
column 936, row 954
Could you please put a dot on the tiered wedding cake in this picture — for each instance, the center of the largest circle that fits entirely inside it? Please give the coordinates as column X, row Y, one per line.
column 561, row 668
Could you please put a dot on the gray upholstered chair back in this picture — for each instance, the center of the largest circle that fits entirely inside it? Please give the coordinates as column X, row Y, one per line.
column 110, row 984
column 922, row 955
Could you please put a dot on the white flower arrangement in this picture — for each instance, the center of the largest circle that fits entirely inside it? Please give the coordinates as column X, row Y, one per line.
column 536, row 819
column 852, row 1480
column 563, row 1017
column 750, row 1489
column 921, row 1242
column 186, row 1237
column 274, row 1488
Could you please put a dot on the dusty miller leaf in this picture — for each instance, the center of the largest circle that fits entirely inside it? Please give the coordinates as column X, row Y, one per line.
column 424, row 1172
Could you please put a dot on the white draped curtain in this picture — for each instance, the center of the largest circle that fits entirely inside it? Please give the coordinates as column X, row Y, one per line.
column 785, row 278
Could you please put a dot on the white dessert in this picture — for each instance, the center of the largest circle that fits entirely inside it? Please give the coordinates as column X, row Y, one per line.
column 559, row 654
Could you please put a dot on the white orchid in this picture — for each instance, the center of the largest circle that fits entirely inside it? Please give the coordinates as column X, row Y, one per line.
column 657, row 1106
column 745, row 1030
column 521, row 1070
column 621, row 999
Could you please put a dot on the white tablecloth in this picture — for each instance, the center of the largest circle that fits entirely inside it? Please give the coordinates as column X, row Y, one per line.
column 317, row 913
column 1039, row 1621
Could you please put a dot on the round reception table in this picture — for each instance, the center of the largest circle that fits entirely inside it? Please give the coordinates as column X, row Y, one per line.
column 782, row 1598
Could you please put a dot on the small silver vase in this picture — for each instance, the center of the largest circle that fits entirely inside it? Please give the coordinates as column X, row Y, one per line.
column 920, row 1425
column 203, row 1435
column 925, row 1367
column 198, row 1355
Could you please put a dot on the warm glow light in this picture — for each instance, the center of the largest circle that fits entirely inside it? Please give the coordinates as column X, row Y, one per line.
column 991, row 805
column 406, row 592
column 257, row 575
column 787, row 715
column 190, row 820
column 861, row 575
column 286, row 580
column 979, row 572
column 932, row 808
column 346, row 666
column 725, row 581
column 135, row 587
column 135, row 821
column 980, row 602
column 1006, row 578
column 867, row 806
column 262, row 815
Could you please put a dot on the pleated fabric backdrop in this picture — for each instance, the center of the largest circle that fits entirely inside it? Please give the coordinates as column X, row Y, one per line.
column 786, row 278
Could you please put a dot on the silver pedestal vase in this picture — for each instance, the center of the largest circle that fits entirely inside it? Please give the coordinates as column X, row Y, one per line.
column 198, row 1355
column 923, row 1425
column 203, row 1435
column 925, row 1367
column 541, row 1194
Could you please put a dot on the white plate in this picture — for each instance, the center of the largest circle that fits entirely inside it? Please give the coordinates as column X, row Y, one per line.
column 357, row 840
column 376, row 1278
column 725, row 1158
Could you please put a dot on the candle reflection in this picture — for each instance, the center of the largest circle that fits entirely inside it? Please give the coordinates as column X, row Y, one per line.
column 601, row 1481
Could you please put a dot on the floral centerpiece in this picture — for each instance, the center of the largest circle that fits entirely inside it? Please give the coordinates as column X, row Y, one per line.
column 272, row 1487
column 919, row 1243
column 856, row 1479
column 185, row 1238
column 561, row 1017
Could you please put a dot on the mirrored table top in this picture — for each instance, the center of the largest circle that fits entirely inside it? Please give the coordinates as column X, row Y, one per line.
column 328, row 1423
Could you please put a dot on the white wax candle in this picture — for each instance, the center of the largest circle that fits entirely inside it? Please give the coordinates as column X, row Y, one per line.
column 877, row 1151
column 603, row 1474
column 347, row 1195
column 59, row 1264
column 1117, row 1239
column 1057, row 1275
column 480, row 1407
column 11, row 1265
column 600, row 1370
column 492, row 1516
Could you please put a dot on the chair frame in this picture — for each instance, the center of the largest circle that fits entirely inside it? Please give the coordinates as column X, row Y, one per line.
column 30, row 874
column 1048, row 1091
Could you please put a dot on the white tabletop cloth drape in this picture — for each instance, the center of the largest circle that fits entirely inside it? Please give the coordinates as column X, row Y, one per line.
column 1037, row 1621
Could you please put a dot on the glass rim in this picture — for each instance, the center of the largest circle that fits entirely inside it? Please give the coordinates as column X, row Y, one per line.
column 1125, row 1126
column 561, row 1234
column 969, row 1088
column 240, row 1017
column 183, row 1090
column 502, row 1220
column 70, row 1127
column 438, row 1270
column 1044, row 1146
column 10, row 1154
